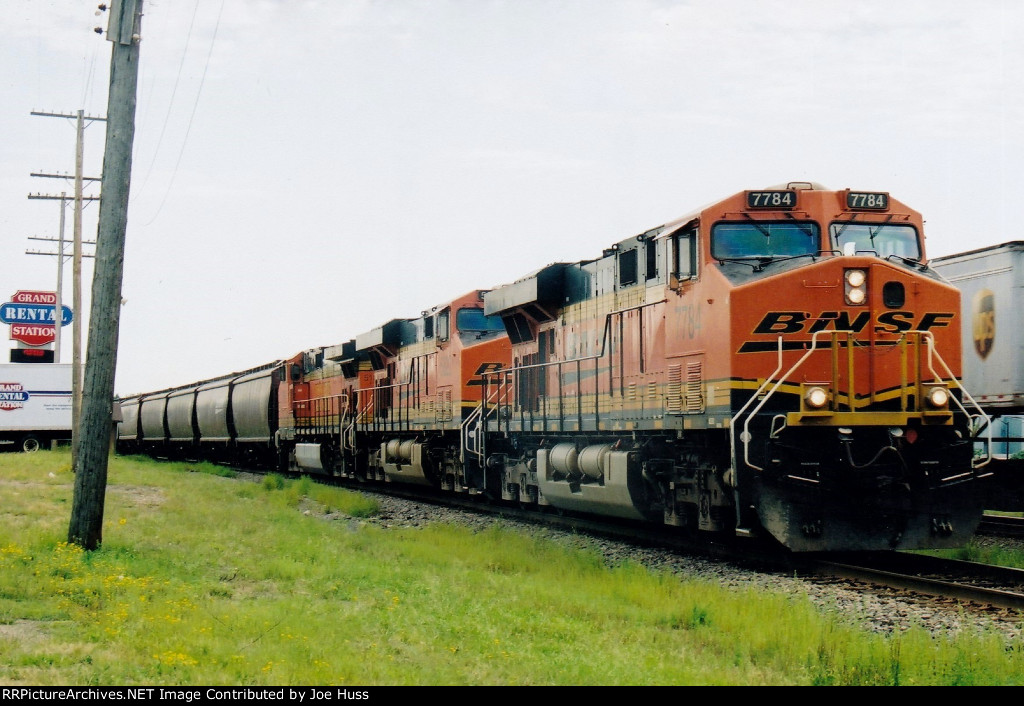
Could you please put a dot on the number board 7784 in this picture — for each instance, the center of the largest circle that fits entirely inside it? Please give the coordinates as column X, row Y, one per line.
column 771, row 199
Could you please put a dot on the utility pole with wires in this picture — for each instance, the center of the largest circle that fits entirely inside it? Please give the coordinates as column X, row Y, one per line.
column 62, row 256
column 81, row 122
column 86, row 527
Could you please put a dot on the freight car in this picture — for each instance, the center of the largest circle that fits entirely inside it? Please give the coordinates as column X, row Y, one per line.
column 229, row 419
column 783, row 362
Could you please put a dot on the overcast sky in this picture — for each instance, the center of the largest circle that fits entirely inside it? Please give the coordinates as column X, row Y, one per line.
column 306, row 170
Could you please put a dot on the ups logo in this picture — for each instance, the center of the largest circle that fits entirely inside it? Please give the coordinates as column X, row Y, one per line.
column 983, row 322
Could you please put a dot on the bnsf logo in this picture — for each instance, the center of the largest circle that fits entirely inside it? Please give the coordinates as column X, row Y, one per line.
column 775, row 322
column 482, row 370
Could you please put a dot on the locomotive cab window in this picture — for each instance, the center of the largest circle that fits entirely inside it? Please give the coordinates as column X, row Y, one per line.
column 651, row 252
column 763, row 239
column 684, row 254
column 474, row 321
column 882, row 239
column 627, row 268
column 443, row 327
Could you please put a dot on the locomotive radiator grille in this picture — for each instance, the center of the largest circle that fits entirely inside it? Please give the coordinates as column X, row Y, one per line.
column 694, row 402
column 674, row 399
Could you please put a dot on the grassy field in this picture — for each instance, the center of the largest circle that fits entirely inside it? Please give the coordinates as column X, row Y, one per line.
column 985, row 554
column 203, row 579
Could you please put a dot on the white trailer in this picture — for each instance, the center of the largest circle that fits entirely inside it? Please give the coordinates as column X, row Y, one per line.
column 991, row 284
column 35, row 404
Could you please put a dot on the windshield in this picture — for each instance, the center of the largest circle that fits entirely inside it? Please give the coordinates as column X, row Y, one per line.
column 473, row 320
column 763, row 239
column 879, row 238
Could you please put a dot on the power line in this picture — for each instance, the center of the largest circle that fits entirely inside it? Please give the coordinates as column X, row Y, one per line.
column 195, row 106
column 174, row 92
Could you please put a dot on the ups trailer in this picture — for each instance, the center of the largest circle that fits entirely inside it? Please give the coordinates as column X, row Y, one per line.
column 991, row 284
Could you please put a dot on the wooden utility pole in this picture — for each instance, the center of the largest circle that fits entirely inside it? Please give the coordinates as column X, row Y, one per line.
column 86, row 527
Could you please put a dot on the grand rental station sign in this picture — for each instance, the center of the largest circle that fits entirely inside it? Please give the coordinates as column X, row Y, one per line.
column 32, row 318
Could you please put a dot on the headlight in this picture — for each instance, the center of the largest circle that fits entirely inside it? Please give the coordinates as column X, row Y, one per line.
column 816, row 397
column 856, row 286
column 938, row 397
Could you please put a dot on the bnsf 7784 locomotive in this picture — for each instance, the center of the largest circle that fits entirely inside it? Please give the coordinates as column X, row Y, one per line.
column 781, row 362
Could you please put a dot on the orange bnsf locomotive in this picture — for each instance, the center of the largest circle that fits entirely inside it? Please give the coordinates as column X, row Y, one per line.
column 783, row 362
column 393, row 403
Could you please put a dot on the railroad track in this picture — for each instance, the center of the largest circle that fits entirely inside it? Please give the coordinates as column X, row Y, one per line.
column 985, row 584
column 1001, row 526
